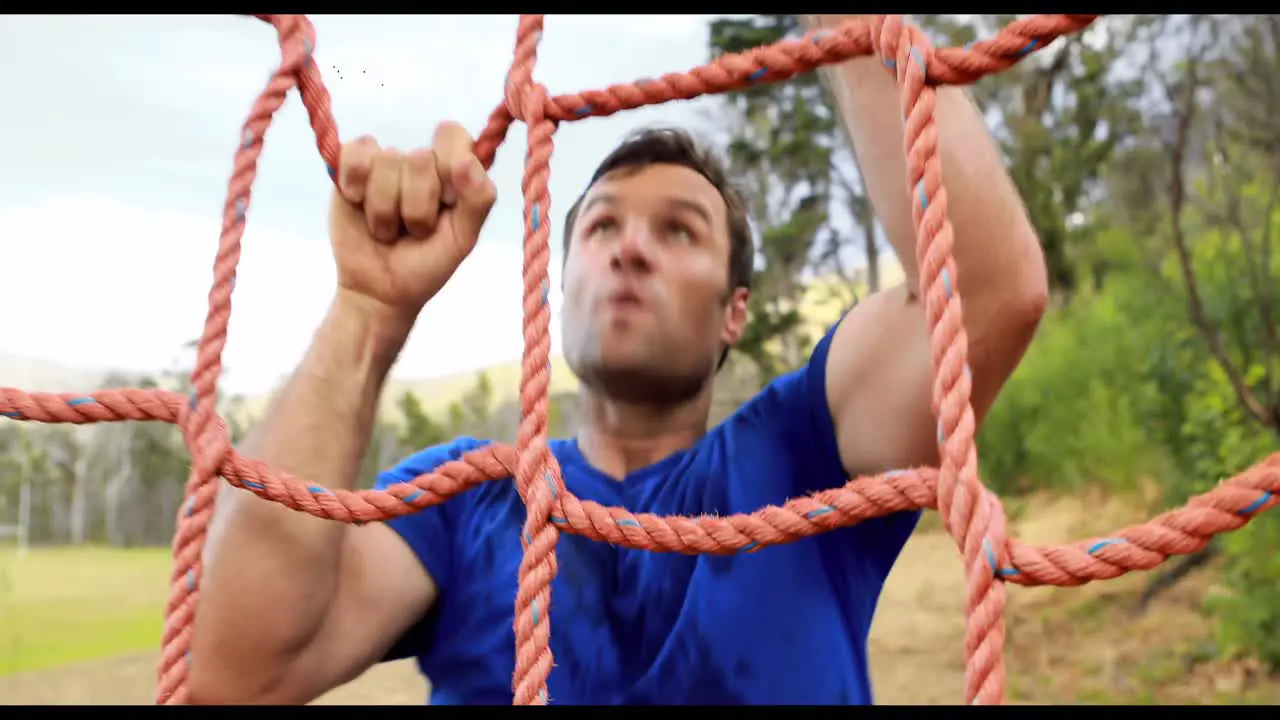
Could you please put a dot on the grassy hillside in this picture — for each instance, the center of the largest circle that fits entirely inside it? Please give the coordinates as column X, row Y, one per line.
column 822, row 304
column 439, row 392
column 34, row 375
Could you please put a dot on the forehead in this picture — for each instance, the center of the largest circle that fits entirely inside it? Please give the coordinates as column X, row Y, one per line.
column 659, row 185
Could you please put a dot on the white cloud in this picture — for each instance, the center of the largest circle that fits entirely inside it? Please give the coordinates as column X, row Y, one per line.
column 121, row 130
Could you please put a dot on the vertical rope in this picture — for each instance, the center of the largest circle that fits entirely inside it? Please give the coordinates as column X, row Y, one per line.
column 967, row 510
column 537, row 472
column 205, row 437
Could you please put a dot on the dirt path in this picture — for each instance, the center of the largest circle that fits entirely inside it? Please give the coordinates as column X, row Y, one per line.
column 917, row 640
column 917, row 635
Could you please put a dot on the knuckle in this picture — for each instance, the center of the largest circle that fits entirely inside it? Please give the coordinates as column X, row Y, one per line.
column 356, row 165
column 489, row 192
column 421, row 183
column 363, row 143
column 451, row 141
column 451, row 131
column 422, row 160
column 382, row 185
column 421, row 173
column 359, row 153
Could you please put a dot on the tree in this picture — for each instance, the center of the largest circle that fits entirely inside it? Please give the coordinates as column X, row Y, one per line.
column 1213, row 161
column 1196, row 190
column 1058, row 116
column 419, row 431
column 477, row 405
column 780, row 147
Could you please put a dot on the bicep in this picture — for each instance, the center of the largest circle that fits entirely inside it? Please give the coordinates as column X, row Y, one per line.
column 878, row 385
column 880, row 375
column 383, row 590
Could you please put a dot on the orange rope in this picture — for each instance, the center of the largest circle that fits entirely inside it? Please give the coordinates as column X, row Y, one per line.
column 971, row 513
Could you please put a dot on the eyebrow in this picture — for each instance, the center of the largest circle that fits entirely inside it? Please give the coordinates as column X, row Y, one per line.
column 693, row 206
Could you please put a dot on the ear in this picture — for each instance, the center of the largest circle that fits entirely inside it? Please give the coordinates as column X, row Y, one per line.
column 735, row 317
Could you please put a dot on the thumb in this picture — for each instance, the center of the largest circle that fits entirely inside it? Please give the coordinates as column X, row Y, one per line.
column 475, row 197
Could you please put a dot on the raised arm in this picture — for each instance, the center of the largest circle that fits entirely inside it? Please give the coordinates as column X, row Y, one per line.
column 878, row 370
column 292, row 605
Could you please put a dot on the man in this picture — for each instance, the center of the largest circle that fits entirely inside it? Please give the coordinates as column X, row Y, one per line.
column 658, row 259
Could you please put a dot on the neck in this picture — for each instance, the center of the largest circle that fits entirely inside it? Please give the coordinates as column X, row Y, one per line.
column 618, row 438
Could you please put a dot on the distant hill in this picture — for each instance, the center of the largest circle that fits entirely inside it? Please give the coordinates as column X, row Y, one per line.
column 438, row 393
column 821, row 306
column 35, row 375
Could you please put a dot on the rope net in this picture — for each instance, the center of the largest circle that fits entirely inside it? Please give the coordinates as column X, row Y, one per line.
column 972, row 515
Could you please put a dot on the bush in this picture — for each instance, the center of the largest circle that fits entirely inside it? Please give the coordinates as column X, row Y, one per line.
column 1117, row 390
column 1072, row 415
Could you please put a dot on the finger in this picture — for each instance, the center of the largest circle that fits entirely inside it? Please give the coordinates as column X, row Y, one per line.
column 382, row 196
column 452, row 145
column 461, row 172
column 476, row 195
column 354, row 165
column 419, row 193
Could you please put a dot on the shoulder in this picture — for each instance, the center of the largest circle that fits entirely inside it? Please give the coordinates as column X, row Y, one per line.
column 427, row 460
column 432, row 532
column 792, row 417
column 787, row 432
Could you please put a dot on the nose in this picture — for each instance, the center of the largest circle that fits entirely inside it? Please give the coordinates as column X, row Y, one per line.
column 634, row 249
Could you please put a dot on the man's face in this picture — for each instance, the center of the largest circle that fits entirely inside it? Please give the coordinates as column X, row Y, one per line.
column 648, row 309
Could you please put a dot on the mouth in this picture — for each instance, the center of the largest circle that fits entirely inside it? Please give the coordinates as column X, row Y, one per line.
column 624, row 299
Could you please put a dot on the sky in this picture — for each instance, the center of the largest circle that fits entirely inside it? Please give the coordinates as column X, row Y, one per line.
column 119, row 135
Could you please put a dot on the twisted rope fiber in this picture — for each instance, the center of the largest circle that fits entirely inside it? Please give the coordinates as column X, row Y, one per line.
column 972, row 515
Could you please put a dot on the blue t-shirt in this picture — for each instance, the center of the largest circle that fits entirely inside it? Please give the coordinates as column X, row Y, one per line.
column 783, row 625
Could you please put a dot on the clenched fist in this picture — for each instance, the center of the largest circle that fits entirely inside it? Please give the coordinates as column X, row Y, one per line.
column 402, row 223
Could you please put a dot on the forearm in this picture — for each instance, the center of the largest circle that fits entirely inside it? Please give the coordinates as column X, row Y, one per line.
column 271, row 571
column 995, row 246
column 999, row 264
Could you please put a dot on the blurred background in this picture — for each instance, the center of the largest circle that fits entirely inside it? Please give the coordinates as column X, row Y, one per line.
column 1146, row 150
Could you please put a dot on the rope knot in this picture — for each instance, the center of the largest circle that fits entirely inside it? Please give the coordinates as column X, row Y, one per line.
column 528, row 103
column 903, row 48
column 207, row 437
column 521, row 93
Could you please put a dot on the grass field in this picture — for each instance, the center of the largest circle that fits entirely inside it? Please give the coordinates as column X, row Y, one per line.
column 82, row 626
column 67, row 605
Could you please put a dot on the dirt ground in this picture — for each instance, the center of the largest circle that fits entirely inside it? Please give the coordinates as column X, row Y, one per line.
column 1078, row 645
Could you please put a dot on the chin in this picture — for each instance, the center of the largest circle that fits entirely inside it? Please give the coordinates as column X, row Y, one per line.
column 639, row 375
column 625, row 364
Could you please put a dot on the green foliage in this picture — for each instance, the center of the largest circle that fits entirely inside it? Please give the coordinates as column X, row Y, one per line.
column 1119, row 389
column 1172, row 365
column 477, row 405
column 1058, row 120
column 1073, row 413
column 419, row 431
column 1248, row 619
column 1159, row 365
column 470, row 415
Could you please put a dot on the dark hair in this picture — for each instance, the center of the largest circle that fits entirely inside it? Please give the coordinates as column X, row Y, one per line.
column 671, row 146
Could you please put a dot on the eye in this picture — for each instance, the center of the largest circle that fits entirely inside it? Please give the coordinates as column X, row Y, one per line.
column 601, row 224
column 680, row 232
